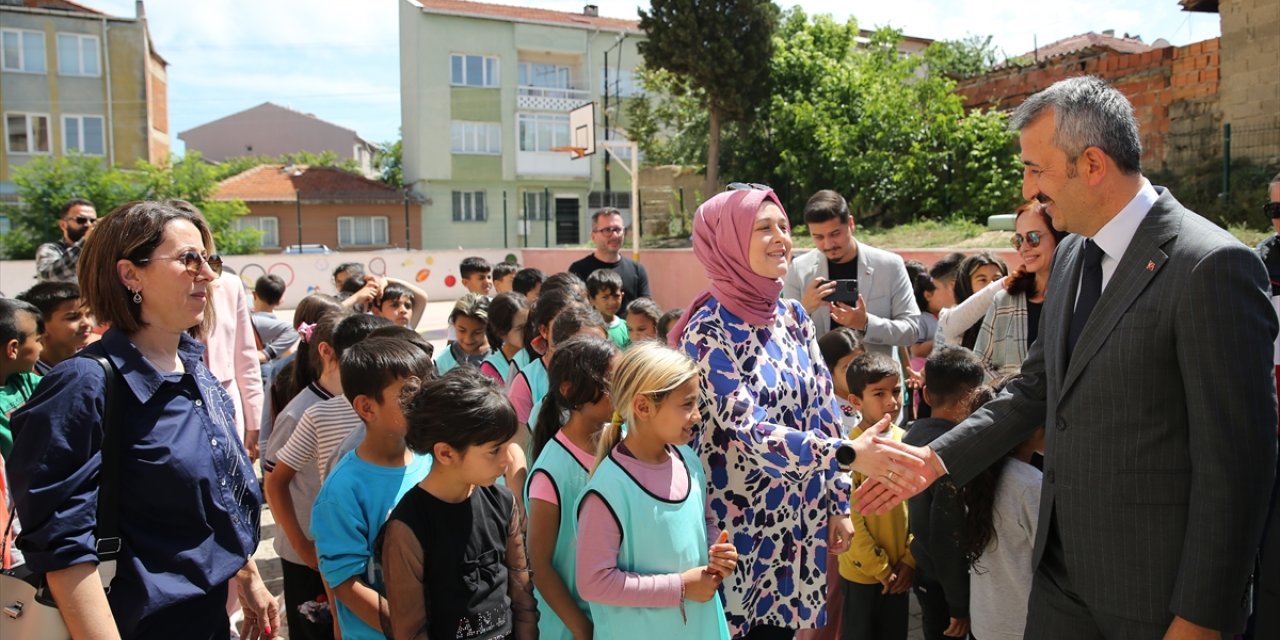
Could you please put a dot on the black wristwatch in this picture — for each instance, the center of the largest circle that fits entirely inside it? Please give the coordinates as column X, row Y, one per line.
column 845, row 455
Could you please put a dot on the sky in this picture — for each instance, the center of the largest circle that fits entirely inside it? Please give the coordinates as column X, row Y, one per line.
column 339, row 60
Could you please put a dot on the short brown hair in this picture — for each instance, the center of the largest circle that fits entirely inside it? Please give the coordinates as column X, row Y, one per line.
column 826, row 205
column 131, row 232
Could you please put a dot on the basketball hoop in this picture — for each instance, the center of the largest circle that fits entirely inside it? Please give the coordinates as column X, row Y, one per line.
column 578, row 152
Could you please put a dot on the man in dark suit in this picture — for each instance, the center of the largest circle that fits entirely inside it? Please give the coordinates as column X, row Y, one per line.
column 1152, row 375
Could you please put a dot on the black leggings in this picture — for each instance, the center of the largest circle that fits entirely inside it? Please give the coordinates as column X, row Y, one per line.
column 767, row 632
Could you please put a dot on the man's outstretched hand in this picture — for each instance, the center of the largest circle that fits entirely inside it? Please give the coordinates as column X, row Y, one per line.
column 894, row 471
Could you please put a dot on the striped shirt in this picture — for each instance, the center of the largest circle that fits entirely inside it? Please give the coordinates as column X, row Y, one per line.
column 305, row 484
column 322, row 428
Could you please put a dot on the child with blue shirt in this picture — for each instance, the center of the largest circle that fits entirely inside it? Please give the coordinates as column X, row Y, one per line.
column 453, row 548
column 469, row 322
column 366, row 483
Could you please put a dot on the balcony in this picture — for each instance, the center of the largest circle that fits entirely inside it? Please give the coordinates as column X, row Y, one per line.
column 530, row 98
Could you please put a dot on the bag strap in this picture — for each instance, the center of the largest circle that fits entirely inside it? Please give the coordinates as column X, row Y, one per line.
column 108, row 529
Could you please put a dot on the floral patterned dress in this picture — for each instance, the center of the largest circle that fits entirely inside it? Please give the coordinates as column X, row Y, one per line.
column 769, row 431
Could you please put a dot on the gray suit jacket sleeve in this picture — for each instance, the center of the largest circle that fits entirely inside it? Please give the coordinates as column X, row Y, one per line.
column 901, row 326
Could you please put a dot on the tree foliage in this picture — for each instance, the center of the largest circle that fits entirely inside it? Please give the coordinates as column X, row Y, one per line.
column 886, row 131
column 46, row 183
column 963, row 58
column 390, row 164
column 721, row 50
column 240, row 164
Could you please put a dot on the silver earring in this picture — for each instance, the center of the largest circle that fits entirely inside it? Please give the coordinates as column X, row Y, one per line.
column 137, row 297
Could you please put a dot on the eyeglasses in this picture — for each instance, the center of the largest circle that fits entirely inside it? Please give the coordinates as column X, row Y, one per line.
column 609, row 231
column 1033, row 238
column 1272, row 209
column 82, row 220
column 193, row 262
column 748, row 186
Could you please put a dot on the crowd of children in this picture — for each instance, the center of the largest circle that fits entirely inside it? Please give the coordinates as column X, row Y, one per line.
column 533, row 479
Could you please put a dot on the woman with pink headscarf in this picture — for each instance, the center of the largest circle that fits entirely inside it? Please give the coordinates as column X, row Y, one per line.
column 771, row 438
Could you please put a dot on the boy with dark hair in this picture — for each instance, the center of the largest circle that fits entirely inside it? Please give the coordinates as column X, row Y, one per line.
column 367, row 483
column 503, row 274
column 604, row 288
column 400, row 302
column 937, row 514
column 67, row 327
column 20, row 329
column 348, row 271
column 878, row 566
column 469, row 322
column 477, row 275
column 528, row 281
column 276, row 336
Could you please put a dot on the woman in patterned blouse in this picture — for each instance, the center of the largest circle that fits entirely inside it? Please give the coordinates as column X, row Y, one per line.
column 771, row 432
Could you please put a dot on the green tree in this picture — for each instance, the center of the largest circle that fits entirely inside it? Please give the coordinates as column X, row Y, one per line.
column 389, row 163
column 44, row 184
column 885, row 130
column 721, row 48
column 963, row 58
column 240, row 164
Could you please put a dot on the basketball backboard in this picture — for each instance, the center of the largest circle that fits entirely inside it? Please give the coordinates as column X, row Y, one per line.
column 582, row 128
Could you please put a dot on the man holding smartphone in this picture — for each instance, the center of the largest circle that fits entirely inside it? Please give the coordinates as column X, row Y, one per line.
column 849, row 283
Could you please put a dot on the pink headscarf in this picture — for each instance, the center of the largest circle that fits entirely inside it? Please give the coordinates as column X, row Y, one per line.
column 722, row 229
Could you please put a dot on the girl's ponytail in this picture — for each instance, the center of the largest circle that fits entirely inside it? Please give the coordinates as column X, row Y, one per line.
column 647, row 368
column 583, row 363
column 610, row 436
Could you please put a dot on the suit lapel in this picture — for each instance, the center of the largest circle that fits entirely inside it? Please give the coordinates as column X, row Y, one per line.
column 1141, row 261
column 1068, row 261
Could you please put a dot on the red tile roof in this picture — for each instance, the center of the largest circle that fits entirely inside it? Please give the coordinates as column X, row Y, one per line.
column 1089, row 40
column 527, row 14
column 278, row 183
column 60, row 5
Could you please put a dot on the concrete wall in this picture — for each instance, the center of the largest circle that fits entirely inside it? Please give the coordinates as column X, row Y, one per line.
column 1251, row 67
column 436, row 272
column 675, row 275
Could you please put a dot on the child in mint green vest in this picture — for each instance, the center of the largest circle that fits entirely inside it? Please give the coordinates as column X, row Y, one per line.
column 563, row 457
column 646, row 562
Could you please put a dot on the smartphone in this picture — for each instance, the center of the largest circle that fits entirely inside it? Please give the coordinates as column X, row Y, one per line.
column 846, row 292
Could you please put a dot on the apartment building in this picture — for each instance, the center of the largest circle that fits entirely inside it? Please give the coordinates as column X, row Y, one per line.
column 74, row 80
column 486, row 92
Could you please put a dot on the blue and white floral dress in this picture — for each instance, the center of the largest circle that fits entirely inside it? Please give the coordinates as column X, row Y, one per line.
column 770, row 427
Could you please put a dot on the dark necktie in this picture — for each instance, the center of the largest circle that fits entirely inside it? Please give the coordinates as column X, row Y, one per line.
column 1090, row 291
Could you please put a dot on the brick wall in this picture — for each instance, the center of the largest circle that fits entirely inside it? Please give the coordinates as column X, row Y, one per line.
column 1251, row 72
column 1174, row 91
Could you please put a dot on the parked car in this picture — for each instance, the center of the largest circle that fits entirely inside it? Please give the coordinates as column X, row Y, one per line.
column 307, row 248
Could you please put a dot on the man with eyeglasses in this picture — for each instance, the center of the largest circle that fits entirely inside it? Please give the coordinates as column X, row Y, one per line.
column 56, row 261
column 607, row 230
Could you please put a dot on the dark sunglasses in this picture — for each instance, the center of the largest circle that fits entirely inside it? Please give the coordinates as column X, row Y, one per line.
column 193, row 262
column 748, row 186
column 83, row 220
column 1272, row 209
column 1033, row 238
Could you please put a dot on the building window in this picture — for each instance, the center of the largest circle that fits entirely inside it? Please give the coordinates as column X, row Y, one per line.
column 536, row 74
column 22, row 50
column 535, row 205
column 77, row 55
column 269, row 226
column 622, row 83
column 468, row 206
column 473, row 71
column 362, row 231
column 543, row 132
column 483, row 138
column 27, row 132
column 83, row 134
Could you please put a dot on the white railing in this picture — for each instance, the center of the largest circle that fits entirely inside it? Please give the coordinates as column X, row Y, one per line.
column 550, row 98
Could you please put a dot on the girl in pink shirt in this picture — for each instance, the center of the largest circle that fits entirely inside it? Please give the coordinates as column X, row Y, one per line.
column 649, row 561
column 577, row 387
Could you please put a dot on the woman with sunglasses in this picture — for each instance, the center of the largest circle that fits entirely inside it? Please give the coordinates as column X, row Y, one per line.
column 188, row 502
column 1013, row 320
column 770, row 434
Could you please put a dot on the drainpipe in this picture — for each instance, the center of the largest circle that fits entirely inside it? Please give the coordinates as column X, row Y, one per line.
column 111, row 121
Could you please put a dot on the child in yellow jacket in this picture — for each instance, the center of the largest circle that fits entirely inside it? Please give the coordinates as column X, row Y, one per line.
column 877, row 568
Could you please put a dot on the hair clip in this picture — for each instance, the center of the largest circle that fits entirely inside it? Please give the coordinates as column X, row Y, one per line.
column 305, row 330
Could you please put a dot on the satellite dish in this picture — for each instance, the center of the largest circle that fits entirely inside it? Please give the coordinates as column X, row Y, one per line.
column 1160, row 43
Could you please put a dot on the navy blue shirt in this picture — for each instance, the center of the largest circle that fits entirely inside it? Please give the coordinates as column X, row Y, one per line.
column 189, row 502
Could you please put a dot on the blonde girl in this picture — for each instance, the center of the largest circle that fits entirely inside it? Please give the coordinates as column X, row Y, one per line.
column 648, row 564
